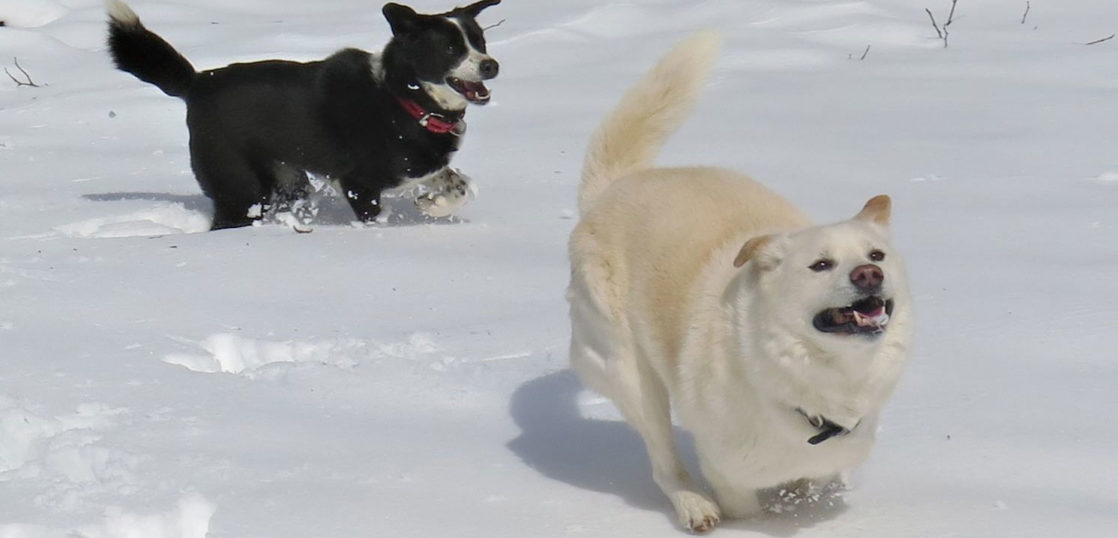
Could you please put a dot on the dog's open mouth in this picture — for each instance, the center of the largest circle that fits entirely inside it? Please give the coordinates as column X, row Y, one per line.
column 867, row 316
column 474, row 92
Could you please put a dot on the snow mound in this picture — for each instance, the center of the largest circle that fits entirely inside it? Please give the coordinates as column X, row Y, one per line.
column 65, row 453
column 231, row 353
column 190, row 519
column 616, row 20
column 1106, row 178
column 161, row 219
column 29, row 438
column 31, row 13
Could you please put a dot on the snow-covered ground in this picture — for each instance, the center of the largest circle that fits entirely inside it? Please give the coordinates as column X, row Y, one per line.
column 410, row 379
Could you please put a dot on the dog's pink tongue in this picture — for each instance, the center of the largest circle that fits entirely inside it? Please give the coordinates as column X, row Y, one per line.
column 871, row 319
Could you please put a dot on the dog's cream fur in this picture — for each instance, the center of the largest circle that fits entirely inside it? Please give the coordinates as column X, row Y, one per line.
column 664, row 319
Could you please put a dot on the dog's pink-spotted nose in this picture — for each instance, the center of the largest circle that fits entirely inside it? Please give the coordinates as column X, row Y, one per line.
column 867, row 277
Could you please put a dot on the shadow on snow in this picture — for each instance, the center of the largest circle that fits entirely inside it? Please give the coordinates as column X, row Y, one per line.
column 609, row 457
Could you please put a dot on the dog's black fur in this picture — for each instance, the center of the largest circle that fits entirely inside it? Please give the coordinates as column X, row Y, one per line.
column 257, row 128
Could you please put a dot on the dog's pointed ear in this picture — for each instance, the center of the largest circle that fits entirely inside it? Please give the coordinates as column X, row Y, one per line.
column 401, row 18
column 754, row 250
column 475, row 8
column 877, row 210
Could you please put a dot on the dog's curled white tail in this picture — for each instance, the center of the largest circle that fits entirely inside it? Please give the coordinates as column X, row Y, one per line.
column 633, row 133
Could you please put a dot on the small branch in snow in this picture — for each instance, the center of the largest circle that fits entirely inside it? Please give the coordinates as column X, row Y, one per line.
column 950, row 16
column 19, row 82
column 500, row 22
column 1026, row 15
column 942, row 31
column 934, row 24
column 864, row 53
column 1097, row 41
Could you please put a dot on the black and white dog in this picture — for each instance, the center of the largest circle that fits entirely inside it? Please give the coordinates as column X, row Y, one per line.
column 370, row 122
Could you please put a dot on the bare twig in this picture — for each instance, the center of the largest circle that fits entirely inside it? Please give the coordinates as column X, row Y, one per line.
column 500, row 22
column 943, row 34
column 950, row 16
column 864, row 54
column 934, row 25
column 1026, row 15
column 1097, row 41
column 19, row 82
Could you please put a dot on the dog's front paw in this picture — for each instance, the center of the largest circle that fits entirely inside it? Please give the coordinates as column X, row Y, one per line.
column 435, row 204
column 449, row 193
column 696, row 512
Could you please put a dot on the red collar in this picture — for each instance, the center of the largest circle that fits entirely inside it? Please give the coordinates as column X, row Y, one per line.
column 431, row 121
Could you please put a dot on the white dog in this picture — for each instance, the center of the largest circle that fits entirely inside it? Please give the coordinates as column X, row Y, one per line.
column 699, row 291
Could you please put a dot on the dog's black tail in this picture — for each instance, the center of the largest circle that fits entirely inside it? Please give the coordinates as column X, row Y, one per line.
column 137, row 50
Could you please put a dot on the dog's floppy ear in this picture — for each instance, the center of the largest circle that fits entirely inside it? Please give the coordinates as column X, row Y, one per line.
column 401, row 18
column 753, row 250
column 877, row 210
column 475, row 8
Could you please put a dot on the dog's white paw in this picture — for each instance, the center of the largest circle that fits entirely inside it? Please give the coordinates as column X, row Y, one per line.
column 436, row 204
column 449, row 192
column 696, row 512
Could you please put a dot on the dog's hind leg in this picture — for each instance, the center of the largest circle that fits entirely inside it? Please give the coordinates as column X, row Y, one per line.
column 609, row 366
column 290, row 185
column 643, row 399
column 292, row 193
column 231, row 181
column 605, row 357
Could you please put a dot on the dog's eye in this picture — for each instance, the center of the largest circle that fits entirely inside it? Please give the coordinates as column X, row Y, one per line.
column 876, row 255
column 822, row 265
column 451, row 52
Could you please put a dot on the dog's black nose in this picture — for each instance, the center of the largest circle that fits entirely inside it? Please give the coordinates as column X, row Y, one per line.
column 867, row 277
column 489, row 68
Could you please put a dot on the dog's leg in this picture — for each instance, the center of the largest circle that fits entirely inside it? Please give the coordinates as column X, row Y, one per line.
column 603, row 354
column 643, row 399
column 604, row 357
column 230, row 181
column 737, row 501
column 290, row 185
column 293, row 194
column 364, row 201
column 235, row 213
column 447, row 190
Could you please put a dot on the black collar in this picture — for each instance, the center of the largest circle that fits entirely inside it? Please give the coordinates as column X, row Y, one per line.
column 827, row 429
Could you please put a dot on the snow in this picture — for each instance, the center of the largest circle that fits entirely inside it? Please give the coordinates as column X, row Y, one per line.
column 410, row 378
